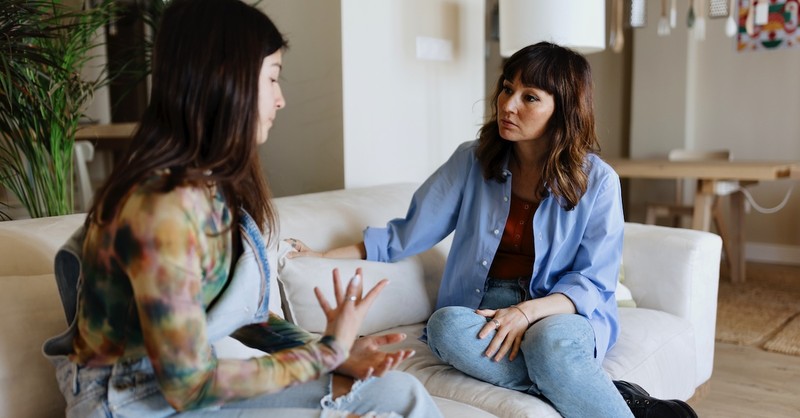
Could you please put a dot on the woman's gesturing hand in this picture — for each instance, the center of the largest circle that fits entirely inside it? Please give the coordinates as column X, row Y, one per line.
column 344, row 319
column 510, row 325
column 366, row 359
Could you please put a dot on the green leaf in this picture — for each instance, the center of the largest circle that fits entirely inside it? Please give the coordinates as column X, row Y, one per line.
column 43, row 47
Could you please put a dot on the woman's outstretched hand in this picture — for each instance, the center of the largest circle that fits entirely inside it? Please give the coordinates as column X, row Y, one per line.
column 301, row 249
column 366, row 359
column 345, row 318
column 353, row 251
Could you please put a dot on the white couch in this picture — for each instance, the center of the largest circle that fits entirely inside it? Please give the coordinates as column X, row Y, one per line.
column 666, row 343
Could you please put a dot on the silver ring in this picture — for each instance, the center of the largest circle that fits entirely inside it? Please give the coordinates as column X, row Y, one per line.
column 496, row 323
column 352, row 298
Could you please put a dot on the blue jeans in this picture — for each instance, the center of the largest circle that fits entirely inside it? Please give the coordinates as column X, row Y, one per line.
column 556, row 360
column 130, row 390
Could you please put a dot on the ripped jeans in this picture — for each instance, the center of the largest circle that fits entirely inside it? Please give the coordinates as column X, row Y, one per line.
column 129, row 389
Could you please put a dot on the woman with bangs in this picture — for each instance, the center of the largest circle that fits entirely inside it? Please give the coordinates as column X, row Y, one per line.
column 527, row 296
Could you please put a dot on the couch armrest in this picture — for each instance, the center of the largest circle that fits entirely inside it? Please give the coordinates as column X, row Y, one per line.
column 29, row 246
column 676, row 271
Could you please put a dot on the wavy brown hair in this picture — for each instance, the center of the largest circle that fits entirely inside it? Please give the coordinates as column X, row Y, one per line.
column 202, row 119
column 567, row 76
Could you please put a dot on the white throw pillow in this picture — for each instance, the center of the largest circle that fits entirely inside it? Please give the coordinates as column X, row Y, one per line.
column 403, row 301
column 623, row 294
column 624, row 297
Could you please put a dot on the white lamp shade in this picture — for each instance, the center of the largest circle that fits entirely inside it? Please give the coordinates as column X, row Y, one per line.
column 575, row 24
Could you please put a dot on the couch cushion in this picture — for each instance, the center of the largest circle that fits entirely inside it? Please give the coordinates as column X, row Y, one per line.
column 405, row 300
column 656, row 350
column 30, row 312
column 451, row 408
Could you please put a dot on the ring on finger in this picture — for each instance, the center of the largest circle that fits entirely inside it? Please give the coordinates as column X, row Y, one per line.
column 496, row 323
column 352, row 298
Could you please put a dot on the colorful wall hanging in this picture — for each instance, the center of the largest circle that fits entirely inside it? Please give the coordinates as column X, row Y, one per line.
column 767, row 24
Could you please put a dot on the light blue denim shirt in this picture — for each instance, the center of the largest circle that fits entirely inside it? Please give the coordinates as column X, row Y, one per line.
column 578, row 252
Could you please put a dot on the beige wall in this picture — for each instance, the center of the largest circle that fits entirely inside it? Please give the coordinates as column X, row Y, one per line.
column 705, row 95
column 611, row 74
column 304, row 152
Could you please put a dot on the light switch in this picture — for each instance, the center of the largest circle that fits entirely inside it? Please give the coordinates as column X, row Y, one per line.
column 434, row 49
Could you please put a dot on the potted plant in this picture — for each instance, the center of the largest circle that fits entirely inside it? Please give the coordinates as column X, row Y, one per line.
column 43, row 47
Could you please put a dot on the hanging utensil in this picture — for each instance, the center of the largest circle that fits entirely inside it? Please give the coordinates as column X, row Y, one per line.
column 638, row 14
column 690, row 16
column 718, row 8
column 731, row 27
column 700, row 23
column 663, row 21
column 749, row 21
column 617, row 40
column 673, row 14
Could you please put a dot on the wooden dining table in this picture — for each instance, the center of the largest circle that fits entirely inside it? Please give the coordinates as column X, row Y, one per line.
column 714, row 179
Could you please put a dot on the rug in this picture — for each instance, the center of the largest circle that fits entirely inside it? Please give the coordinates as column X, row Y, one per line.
column 764, row 311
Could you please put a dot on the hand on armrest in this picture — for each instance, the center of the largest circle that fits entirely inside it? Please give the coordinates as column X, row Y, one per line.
column 355, row 251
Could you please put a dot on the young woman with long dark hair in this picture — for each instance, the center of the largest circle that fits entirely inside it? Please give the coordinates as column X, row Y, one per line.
column 172, row 255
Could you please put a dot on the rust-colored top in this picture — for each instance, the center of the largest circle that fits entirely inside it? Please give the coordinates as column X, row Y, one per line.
column 515, row 253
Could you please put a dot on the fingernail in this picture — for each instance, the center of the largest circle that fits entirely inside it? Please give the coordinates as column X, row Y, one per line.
column 356, row 279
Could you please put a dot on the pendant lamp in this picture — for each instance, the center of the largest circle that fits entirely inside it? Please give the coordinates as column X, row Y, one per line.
column 575, row 24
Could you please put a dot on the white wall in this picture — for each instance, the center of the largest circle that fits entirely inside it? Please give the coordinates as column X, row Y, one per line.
column 403, row 116
column 705, row 95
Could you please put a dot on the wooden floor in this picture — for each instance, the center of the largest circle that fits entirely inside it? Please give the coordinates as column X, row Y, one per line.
column 750, row 382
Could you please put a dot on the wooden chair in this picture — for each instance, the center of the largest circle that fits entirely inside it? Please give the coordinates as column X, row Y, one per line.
column 678, row 210
column 83, row 152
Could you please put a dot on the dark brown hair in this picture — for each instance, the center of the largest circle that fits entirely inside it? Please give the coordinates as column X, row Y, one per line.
column 567, row 76
column 202, row 119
